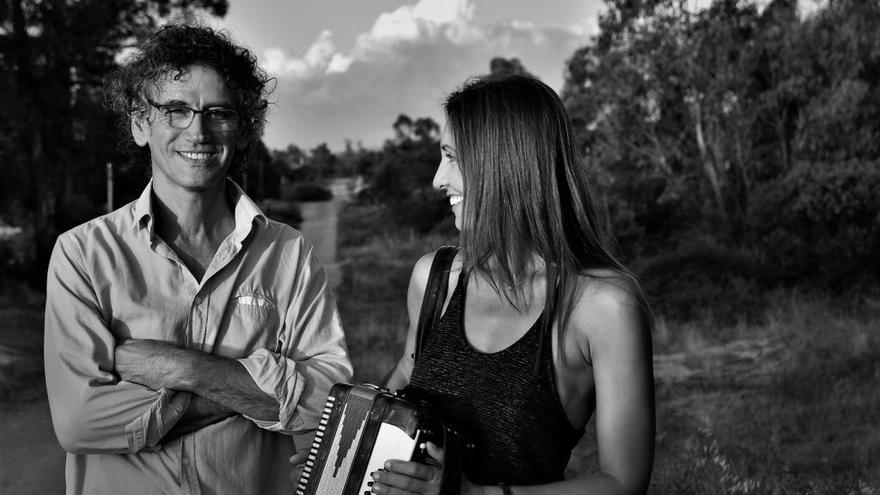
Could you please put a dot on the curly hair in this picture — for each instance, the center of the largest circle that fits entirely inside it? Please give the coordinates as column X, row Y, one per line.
column 168, row 54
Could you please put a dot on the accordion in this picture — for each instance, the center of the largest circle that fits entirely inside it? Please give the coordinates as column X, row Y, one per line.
column 361, row 427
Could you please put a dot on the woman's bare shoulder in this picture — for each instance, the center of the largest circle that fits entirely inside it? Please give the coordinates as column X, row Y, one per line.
column 608, row 302
column 422, row 269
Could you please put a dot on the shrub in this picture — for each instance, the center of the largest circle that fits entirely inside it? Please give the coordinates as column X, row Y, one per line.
column 307, row 191
column 283, row 211
column 703, row 281
column 820, row 222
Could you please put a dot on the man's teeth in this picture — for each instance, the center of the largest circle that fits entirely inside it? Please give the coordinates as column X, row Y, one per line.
column 196, row 156
column 454, row 200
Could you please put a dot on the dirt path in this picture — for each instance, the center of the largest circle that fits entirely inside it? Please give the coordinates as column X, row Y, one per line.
column 319, row 226
column 31, row 461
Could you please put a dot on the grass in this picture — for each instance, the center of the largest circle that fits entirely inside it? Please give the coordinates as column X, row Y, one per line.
column 372, row 294
column 781, row 404
column 21, row 341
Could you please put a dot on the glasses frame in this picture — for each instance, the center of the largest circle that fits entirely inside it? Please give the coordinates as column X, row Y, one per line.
column 165, row 108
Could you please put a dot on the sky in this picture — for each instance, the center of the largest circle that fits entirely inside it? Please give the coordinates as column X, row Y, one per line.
column 346, row 69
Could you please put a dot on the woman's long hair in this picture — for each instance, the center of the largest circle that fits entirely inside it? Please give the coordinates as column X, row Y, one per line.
column 526, row 190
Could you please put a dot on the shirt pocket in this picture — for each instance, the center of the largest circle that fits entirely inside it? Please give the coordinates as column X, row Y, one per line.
column 251, row 322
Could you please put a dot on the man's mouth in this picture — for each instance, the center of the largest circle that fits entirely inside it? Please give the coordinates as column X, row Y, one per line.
column 455, row 199
column 196, row 155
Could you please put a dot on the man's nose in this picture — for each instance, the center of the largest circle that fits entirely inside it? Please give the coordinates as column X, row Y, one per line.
column 197, row 130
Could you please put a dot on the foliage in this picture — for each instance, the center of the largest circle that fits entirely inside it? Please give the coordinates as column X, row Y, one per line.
column 379, row 256
column 703, row 122
column 307, row 191
column 702, row 281
column 822, row 222
column 400, row 175
column 56, row 136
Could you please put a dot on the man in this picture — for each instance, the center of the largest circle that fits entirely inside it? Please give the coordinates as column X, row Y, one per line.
column 188, row 336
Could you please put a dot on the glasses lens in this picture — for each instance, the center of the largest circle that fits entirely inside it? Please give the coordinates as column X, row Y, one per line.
column 221, row 118
column 179, row 117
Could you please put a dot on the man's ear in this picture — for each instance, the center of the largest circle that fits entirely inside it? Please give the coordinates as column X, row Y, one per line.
column 140, row 131
column 241, row 143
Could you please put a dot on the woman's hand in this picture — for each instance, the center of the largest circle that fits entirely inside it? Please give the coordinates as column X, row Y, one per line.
column 406, row 477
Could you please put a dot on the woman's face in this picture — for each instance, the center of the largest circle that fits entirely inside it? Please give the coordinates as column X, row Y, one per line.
column 448, row 177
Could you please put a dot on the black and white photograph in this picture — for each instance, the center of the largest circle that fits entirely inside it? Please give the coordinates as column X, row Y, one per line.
column 440, row 247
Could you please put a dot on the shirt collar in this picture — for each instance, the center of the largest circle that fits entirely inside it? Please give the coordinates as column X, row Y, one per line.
column 245, row 210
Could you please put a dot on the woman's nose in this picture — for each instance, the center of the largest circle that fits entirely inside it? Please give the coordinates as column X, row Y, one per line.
column 440, row 180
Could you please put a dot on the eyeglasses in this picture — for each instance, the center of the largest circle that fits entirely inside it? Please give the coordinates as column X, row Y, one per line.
column 181, row 116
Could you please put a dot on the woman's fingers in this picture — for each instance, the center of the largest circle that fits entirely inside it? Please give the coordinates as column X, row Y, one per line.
column 408, row 469
column 435, row 452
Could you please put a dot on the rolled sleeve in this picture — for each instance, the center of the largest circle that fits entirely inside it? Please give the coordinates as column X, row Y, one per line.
column 313, row 357
column 92, row 410
column 277, row 377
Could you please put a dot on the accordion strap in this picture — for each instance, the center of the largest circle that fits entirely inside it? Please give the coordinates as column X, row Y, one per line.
column 435, row 295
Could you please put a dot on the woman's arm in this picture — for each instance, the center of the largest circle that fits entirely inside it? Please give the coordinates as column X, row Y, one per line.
column 398, row 377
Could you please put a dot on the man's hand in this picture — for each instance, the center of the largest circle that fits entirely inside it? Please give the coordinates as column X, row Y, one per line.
column 200, row 413
column 298, row 461
column 151, row 363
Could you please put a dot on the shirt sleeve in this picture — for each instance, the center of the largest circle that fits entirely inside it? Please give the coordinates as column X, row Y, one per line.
column 313, row 356
column 92, row 410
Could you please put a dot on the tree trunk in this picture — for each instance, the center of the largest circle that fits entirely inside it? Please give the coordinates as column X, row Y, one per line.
column 706, row 159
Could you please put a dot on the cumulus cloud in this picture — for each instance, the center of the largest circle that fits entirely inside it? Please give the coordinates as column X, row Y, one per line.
column 408, row 59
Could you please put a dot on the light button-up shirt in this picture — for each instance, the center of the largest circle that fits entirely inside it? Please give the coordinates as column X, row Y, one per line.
column 264, row 300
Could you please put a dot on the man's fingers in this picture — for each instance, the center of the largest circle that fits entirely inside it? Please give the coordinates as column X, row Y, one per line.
column 298, row 462
column 299, row 458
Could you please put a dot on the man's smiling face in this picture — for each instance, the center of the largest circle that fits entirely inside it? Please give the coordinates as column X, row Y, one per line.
column 196, row 157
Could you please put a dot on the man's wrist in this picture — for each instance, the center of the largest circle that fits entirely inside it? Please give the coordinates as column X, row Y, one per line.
column 180, row 370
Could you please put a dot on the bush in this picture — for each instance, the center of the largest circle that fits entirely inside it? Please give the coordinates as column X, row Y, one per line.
column 283, row 211
column 307, row 191
column 703, row 281
column 820, row 222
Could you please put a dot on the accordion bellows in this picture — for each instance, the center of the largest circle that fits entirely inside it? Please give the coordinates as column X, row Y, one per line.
column 361, row 427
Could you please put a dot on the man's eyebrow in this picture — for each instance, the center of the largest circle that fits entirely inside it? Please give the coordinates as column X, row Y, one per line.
column 181, row 103
column 172, row 103
column 447, row 148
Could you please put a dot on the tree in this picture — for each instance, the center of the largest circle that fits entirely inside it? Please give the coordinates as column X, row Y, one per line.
column 719, row 124
column 503, row 66
column 322, row 160
column 57, row 137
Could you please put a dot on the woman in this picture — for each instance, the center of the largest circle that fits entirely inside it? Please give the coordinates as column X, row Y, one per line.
column 542, row 325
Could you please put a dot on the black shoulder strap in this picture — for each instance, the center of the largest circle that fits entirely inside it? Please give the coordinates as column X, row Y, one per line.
column 435, row 294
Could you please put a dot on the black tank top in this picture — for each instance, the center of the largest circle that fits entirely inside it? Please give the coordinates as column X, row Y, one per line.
column 511, row 414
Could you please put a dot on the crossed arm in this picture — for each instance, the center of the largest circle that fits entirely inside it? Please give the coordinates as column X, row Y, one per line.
column 221, row 387
column 123, row 397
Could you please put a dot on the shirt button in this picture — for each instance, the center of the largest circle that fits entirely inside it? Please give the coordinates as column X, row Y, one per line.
column 197, row 301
